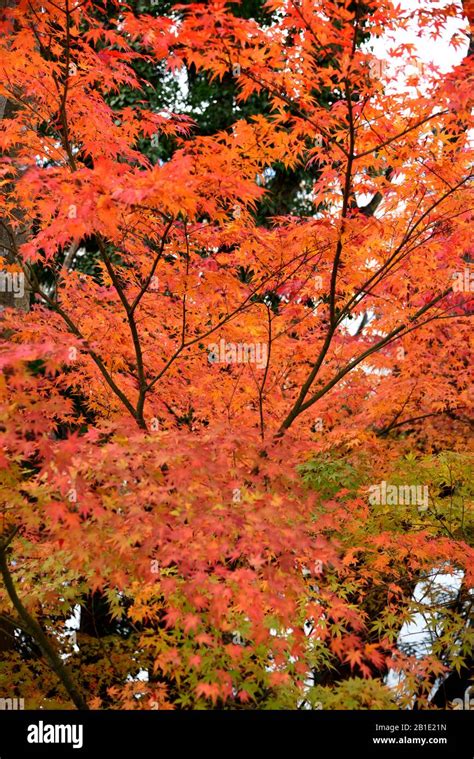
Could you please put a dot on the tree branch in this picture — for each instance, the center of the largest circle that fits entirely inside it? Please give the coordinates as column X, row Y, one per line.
column 32, row 626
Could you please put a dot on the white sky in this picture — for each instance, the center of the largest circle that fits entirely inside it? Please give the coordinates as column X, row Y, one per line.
column 436, row 51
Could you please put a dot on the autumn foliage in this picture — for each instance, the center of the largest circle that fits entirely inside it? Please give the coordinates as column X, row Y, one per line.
column 213, row 509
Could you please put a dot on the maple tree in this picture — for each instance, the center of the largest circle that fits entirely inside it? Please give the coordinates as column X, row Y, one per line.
column 191, row 424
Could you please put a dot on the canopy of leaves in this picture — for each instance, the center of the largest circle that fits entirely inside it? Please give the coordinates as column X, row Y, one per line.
column 193, row 425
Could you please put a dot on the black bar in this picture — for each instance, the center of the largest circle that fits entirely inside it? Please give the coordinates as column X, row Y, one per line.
column 293, row 734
